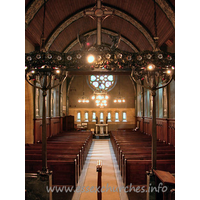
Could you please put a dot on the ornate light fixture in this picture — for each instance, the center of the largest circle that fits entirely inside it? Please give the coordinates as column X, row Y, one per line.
column 99, row 57
column 100, row 98
column 153, row 70
column 119, row 99
column 83, row 99
column 44, row 70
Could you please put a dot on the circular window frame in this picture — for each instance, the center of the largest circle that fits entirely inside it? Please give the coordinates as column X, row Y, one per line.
column 88, row 78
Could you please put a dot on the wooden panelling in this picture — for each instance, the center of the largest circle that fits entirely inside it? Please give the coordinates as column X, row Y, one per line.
column 53, row 127
column 61, row 124
column 139, row 123
column 68, row 123
column 171, row 131
column 165, row 128
column 161, row 125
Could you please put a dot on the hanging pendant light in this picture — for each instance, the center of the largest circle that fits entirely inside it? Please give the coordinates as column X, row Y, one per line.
column 119, row 99
column 100, row 98
column 49, row 64
column 83, row 99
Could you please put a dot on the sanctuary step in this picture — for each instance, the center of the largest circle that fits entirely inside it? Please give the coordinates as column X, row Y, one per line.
column 101, row 136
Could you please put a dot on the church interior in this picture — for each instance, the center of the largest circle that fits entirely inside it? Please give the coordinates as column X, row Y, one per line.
column 107, row 123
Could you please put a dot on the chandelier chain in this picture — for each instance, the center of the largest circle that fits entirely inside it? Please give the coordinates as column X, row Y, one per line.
column 42, row 44
column 155, row 23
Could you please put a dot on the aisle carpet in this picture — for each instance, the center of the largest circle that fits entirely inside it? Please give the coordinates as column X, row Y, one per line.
column 86, row 190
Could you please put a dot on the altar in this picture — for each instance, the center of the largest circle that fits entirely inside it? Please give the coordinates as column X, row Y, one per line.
column 100, row 129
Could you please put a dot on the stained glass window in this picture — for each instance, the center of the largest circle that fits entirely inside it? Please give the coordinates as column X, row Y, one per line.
column 96, row 84
column 102, row 82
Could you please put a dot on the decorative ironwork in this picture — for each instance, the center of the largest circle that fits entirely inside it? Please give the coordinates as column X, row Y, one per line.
column 156, row 68
column 105, row 59
column 39, row 65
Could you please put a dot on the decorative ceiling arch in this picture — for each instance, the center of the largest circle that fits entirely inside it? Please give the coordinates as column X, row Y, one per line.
column 118, row 13
column 108, row 32
column 37, row 4
column 167, row 9
column 32, row 11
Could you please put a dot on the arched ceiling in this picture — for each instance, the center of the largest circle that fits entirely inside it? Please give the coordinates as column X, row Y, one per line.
column 133, row 19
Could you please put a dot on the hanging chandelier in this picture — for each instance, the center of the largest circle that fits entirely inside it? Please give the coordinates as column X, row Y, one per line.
column 100, row 98
column 119, row 99
column 83, row 99
column 44, row 69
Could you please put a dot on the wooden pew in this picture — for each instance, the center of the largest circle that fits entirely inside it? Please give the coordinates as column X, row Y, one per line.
column 141, row 152
column 58, row 150
column 143, row 157
column 56, row 157
column 133, row 154
column 135, row 170
column 141, row 149
column 168, row 181
column 66, row 154
column 64, row 172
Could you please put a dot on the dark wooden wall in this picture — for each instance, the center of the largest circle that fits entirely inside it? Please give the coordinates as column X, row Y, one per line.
column 165, row 128
column 54, row 126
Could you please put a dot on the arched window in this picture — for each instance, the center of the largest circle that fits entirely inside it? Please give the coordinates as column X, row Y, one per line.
column 101, row 82
column 101, row 117
column 78, row 116
column 109, row 116
column 117, row 116
column 93, row 116
column 124, row 118
column 86, row 116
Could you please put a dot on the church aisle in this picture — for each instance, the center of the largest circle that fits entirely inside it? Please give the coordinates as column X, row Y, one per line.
column 100, row 150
